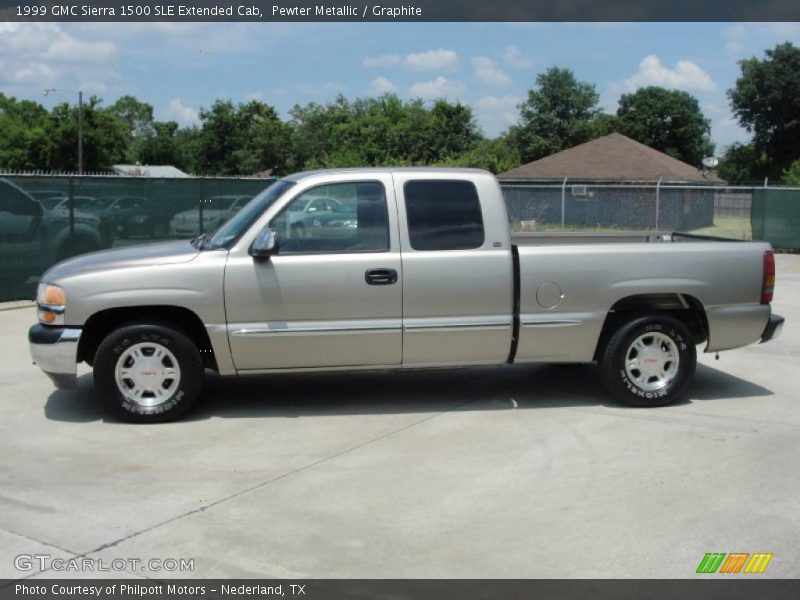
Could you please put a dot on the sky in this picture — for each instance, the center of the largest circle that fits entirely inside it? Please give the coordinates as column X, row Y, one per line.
column 181, row 67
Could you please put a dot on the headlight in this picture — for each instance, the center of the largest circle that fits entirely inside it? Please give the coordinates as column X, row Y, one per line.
column 51, row 302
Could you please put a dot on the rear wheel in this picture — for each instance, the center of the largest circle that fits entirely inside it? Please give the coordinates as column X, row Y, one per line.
column 649, row 361
column 148, row 373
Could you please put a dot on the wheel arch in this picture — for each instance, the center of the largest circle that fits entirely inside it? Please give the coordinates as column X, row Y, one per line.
column 100, row 324
column 686, row 308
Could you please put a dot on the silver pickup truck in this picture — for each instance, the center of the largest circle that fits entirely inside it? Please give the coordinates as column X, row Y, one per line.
column 394, row 269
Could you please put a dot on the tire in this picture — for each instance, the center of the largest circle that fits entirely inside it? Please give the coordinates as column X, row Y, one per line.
column 167, row 383
column 649, row 361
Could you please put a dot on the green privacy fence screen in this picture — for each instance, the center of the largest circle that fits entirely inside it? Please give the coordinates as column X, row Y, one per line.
column 775, row 217
column 46, row 218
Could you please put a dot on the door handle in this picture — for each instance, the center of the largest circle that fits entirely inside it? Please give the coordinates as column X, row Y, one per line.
column 380, row 276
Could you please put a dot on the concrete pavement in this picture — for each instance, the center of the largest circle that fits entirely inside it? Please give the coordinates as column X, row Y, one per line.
column 492, row 472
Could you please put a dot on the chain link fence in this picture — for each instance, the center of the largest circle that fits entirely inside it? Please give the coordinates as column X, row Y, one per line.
column 47, row 218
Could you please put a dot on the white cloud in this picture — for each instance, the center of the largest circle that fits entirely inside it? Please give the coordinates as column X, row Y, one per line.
column 381, row 85
column 685, row 76
column 497, row 113
column 185, row 115
column 258, row 96
column 67, row 48
column 438, row 88
column 432, row 60
column 34, row 56
column 515, row 58
column 384, row 60
column 488, row 72
column 429, row 60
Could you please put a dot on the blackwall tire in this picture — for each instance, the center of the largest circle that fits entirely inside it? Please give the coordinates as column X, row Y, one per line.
column 649, row 361
column 148, row 373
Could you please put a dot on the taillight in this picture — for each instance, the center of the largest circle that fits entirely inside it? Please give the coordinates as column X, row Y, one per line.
column 768, row 284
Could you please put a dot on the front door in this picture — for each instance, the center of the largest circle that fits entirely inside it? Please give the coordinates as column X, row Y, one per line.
column 332, row 297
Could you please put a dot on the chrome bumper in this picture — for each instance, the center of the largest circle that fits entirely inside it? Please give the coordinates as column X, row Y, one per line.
column 55, row 350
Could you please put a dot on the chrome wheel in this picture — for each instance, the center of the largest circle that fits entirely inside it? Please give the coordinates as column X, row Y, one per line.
column 147, row 374
column 652, row 361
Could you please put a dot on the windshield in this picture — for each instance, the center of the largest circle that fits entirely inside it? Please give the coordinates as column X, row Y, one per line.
column 242, row 220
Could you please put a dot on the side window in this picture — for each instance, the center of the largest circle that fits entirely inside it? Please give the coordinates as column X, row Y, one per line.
column 443, row 215
column 338, row 217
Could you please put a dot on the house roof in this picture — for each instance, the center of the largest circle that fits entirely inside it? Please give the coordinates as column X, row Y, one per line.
column 148, row 171
column 611, row 157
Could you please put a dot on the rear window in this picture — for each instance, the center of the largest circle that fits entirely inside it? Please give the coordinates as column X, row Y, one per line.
column 443, row 215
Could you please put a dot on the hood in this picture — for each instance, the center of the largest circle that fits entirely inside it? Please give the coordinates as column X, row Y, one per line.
column 164, row 253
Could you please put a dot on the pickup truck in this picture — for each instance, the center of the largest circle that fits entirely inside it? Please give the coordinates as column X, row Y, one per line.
column 424, row 272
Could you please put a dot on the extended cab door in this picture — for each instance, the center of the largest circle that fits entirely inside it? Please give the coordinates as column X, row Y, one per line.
column 457, row 268
column 332, row 296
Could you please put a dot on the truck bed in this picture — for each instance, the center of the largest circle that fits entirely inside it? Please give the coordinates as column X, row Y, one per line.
column 555, row 238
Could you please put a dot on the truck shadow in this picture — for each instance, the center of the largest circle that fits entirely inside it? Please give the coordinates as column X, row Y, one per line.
column 369, row 393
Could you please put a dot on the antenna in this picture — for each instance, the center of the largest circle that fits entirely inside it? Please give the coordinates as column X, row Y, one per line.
column 709, row 162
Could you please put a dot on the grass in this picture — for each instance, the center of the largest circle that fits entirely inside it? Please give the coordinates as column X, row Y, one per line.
column 729, row 227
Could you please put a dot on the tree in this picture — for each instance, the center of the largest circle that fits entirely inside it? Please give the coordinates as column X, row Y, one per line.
column 496, row 155
column 105, row 137
column 559, row 113
column 766, row 101
column 791, row 176
column 742, row 163
column 241, row 139
column 668, row 120
column 159, row 146
column 380, row 131
column 23, row 134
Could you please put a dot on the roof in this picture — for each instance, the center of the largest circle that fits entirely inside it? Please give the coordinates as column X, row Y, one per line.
column 612, row 157
column 357, row 170
column 167, row 171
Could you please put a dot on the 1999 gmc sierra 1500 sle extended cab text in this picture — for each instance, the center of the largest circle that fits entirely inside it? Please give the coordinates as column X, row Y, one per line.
column 414, row 268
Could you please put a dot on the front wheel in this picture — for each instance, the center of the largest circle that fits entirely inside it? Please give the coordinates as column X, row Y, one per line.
column 649, row 361
column 148, row 373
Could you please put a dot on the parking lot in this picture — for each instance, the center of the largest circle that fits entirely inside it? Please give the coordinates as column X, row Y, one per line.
column 492, row 472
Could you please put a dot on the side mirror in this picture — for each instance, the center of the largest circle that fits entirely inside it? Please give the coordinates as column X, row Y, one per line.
column 265, row 244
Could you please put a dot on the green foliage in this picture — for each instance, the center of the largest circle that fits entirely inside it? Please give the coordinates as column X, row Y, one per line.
column 766, row 101
column 560, row 112
column 249, row 137
column 496, row 156
column 791, row 176
column 105, row 137
column 23, row 134
column 379, row 131
column 668, row 120
column 742, row 163
column 241, row 139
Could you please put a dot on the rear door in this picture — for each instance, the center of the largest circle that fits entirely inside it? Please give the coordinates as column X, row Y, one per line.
column 457, row 270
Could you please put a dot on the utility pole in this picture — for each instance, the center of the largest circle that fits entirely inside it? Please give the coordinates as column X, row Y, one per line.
column 80, row 132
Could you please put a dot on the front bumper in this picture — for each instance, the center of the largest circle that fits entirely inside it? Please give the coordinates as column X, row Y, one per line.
column 773, row 328
column 55, row 350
